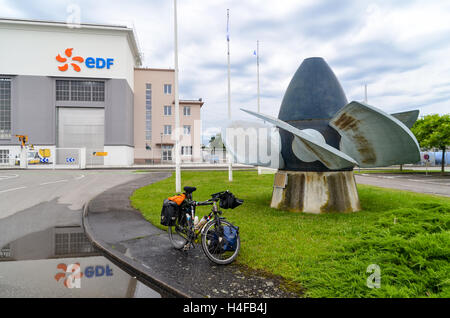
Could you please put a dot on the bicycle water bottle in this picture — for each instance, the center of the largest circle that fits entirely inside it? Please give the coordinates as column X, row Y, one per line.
column 195, row 221
column 201, row 223
column 188, row 218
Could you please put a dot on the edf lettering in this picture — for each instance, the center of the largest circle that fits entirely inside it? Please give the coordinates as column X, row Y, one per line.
column 99, row 62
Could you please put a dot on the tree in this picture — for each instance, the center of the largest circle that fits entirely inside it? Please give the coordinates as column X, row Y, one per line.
column 433, row 131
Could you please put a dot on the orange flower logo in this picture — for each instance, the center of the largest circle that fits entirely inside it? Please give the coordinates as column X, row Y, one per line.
column 65, row 67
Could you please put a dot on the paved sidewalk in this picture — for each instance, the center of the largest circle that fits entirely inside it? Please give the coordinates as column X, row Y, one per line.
column 420, row 183
column 145, row 251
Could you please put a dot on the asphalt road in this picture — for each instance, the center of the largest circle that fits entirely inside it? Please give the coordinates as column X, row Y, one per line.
column 32, row 201
column 431, row 184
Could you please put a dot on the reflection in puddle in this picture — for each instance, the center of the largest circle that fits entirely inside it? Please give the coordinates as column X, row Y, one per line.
column 61, row 262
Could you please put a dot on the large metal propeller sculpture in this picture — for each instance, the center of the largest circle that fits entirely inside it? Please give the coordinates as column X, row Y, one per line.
column 322, row 138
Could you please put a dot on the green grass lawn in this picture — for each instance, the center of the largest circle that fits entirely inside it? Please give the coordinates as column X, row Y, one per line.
column 404, row 233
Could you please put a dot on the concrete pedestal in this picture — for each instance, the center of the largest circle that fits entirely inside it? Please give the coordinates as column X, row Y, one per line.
column 315, row 192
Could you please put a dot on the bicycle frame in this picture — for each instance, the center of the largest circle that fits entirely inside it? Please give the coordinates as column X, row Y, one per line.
column 213, row 215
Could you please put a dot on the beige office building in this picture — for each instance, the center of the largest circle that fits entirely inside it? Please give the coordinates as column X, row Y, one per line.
column 154, row 119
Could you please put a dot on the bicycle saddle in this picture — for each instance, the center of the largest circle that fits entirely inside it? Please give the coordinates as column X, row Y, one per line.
column 189, row 190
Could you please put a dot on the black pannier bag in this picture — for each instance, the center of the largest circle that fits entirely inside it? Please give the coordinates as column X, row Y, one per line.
column 229, row 201
column 169, row 213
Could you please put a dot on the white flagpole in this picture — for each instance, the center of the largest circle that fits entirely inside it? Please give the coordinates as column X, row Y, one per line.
column 365, row 94
column 257, row 72
column 257, row 76
column 177, row 108
column 230, row 164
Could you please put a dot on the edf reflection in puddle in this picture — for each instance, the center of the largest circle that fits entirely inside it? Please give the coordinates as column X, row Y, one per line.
column 61, row 262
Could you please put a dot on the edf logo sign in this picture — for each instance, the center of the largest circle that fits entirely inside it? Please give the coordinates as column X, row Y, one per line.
column 90, row 62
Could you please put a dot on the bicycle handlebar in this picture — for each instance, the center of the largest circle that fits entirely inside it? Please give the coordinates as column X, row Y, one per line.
column 208, row 202
column 214, row 198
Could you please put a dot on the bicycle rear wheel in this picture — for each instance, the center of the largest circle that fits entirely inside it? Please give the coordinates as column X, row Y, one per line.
column 212, row 243
column 178, row 235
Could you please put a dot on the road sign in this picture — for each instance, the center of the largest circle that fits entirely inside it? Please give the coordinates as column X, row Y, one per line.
column 69, row 160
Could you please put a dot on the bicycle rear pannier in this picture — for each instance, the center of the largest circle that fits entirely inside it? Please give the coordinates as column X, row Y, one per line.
column 229, row 201
column 169, row 213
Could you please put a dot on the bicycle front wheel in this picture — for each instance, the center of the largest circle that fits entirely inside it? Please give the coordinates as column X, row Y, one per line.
column 213, row 242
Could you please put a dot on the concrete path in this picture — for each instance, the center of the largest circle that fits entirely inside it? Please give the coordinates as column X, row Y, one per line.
column 142, row 250
column 431, row 184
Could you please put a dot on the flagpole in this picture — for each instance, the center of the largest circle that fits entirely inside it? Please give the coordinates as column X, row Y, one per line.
column 365, row 93
column 230, row 164
column 257, row 72
column 257, row 76
column 177, row 108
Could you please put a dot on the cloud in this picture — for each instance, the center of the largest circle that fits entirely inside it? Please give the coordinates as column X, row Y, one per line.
column 399, row 48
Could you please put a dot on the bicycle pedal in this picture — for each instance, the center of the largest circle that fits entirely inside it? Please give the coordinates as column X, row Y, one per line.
column 188, row 246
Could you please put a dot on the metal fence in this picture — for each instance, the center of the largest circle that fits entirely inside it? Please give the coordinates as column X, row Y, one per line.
column 43, row 158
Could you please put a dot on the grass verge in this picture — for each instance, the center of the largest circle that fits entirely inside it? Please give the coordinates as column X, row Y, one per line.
column 406, row 234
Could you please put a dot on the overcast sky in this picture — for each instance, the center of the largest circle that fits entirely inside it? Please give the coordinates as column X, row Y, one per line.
column 400, row 48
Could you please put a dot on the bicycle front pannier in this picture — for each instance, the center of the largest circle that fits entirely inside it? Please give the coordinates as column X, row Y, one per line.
column 169, row 213
column 229, row 201
column 230, row 234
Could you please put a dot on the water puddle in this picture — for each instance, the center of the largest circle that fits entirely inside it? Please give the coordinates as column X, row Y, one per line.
column 61, row 262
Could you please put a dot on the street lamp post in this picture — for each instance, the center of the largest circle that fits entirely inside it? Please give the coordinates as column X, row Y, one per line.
column 161, row 148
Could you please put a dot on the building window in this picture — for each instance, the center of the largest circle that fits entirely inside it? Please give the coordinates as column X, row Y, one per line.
column 187, row 111
column 167, row 110
column 80, row 91
column 168, row 89
column 148, row 111
column 187, row 129
column 98, row 91
column 4, row 156
column 148, row 130
column 62, row 90
column 167, row 153
column 167, row 130
column 186, row 151
column 5, row 108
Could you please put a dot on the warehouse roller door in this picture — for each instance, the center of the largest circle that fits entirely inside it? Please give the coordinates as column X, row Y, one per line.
column 82, row 127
